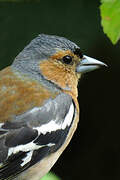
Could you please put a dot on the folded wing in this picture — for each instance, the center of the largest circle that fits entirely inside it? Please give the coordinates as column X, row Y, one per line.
column 35, row 134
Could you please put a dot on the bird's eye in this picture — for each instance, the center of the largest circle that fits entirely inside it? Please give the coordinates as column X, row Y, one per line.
column 67, row 59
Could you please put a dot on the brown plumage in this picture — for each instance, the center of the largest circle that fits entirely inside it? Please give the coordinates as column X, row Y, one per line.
column 39, row 111
column 19, row 94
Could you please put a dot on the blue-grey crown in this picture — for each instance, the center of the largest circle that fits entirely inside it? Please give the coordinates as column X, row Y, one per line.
column 44, row 46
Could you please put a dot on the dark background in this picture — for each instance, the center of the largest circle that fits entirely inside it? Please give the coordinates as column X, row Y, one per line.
column 94, row 152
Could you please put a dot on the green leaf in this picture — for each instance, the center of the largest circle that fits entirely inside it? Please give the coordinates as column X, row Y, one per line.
column 110, row 13
column 50, row 176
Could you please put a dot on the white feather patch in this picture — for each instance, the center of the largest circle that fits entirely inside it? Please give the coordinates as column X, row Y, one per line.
column 27, row 158
column 1, row 165
column 35, row 109
column 68, row 117
column 27, row 147
column 1, row 124
column 53, row 126
column 29, row 155
column 45, row 128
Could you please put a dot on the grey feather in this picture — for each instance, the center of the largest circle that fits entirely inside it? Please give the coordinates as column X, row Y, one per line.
column 53, row 109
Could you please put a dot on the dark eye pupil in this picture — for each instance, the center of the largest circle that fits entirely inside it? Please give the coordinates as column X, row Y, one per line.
column 67, row 59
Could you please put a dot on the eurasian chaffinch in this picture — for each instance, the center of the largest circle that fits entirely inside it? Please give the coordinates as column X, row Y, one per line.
column 39, row 111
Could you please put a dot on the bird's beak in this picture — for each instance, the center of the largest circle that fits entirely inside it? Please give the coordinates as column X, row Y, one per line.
column 88, row 64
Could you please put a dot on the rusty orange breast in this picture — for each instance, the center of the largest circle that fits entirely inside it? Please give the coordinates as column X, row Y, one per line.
column 18, row 95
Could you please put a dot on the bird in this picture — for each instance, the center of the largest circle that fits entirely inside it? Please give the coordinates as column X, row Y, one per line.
column 39, row 110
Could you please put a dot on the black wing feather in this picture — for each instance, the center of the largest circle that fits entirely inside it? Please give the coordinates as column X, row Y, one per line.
column 21, row 136
column 12, row 166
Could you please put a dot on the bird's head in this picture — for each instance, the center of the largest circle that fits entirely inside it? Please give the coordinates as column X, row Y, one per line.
column 57, row 60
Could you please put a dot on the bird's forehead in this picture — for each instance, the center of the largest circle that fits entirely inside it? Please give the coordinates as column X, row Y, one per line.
column 56, row 42
column 47, row 45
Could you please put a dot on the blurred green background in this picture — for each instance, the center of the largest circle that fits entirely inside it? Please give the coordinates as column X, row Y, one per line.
column 94, row 152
